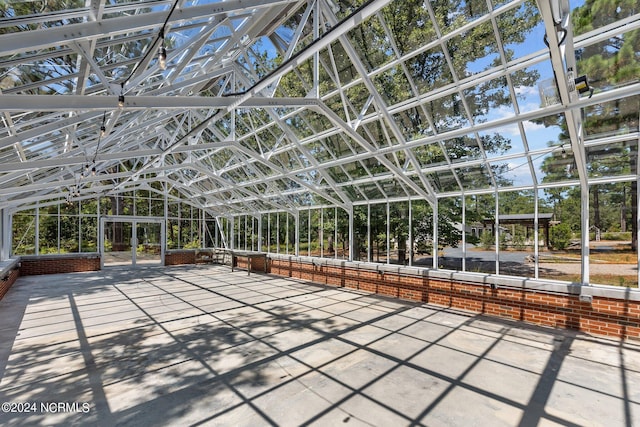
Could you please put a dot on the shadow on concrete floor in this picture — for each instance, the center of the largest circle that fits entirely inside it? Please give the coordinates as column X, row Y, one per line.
column 199, row 345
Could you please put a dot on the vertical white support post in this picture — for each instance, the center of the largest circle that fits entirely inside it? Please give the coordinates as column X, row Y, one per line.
column 98, row 237
column 166, row 211
column 179, row 225
column 260, row 233
column 321, row 233
column 464, row 232
column 297, row 234
column 351, row 233
column 435, row 234
column 637, row 210
column 410, row 233
column 335, row 232
column 536, row 225
column 369, row 249
column 269, row 232
column 309, row 234
column 584, row 212
column 496, row 227
column 286, row 239
column 234, row 233
column 316, row 56
column 37, row 251
column 388, row 237
column 58, row 221
column 216, row 241
column 79, row 227
column 203, row 232
column 277, row 232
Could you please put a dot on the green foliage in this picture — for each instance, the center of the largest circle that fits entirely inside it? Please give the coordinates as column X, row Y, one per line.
column 194, row 244
column 519, row 242
column 560, row 236
column 487, row 240
column 617, row 236
column 472, row 239
column 503, row 241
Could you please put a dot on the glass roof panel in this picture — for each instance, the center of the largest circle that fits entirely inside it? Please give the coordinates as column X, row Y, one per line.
column 392, row 188
column 377, row 133
column 513, row 172
column 355, row 169
column 371, row 191
column 504, row 142
column 447, row 93
column 337, row 147
column 358, row 100
column 429, row 70
column 463, row 148
column 489, row 100
column 429, row 155
column 443, row 181
column 591, row 18
column 451, row 15
column 372, row 44
column 474, row 51
column 475, row 177
column 448, row 113
column 535, row 87
column 521, row 43
column 612, row 118
column 413, row 123
column 558, row 165
column 410, row 24
column 610, row 160
column 347, row 72
column 393, row 85
column 543, row 132
column 338, row 174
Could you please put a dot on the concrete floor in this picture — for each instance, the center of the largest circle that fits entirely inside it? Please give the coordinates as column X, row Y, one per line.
column 199, row 345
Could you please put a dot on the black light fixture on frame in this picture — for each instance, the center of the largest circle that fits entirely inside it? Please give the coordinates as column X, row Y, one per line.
column 582, row 85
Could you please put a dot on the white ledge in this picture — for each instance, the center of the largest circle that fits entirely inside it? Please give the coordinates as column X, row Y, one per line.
column 490, row 280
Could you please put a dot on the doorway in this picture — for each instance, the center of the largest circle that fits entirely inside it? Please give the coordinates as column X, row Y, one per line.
column 127, row 241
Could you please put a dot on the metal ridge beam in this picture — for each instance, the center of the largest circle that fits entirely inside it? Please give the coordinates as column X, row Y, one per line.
column 22, row 103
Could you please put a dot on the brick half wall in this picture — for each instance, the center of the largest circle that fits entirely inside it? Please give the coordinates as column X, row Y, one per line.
column 615, row 316
column 180, row 257
column 54, row 264
column 8, row 277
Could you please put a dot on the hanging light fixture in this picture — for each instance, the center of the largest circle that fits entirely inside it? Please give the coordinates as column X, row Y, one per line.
column 103, row 128
column 162, row 58
column 121, row 96
column 162, row 52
